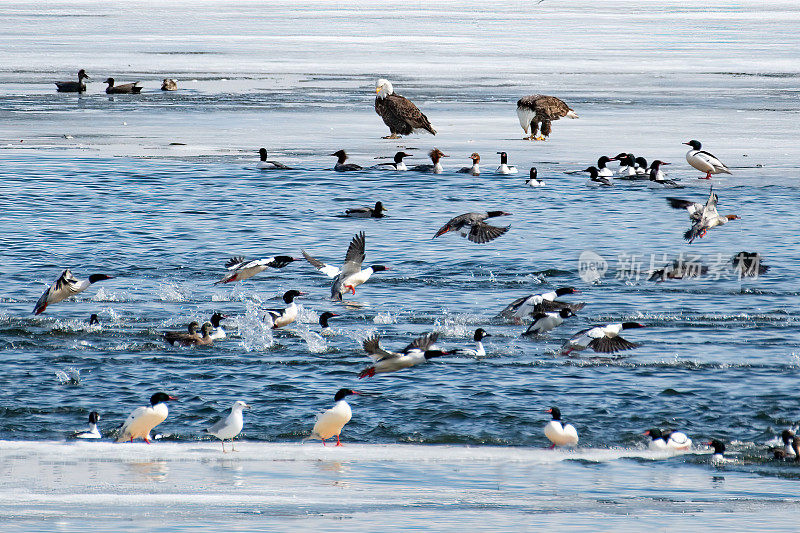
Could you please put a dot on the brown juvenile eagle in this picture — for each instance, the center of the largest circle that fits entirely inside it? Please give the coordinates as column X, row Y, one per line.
column 398, row 112
column 538, row 108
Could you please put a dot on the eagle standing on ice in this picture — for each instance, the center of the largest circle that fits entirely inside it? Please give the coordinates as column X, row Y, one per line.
column 538, row 108
column 398, row 112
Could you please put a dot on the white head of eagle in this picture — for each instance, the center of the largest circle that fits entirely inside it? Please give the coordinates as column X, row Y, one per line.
column 384, row 88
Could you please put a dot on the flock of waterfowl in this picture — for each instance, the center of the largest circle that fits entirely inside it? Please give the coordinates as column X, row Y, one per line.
column 540, row 312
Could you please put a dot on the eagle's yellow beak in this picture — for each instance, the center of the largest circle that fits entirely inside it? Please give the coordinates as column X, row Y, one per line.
column 377, row 90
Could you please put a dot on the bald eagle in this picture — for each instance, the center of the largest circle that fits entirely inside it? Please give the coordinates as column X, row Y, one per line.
column 398, row 112
column 538, row 108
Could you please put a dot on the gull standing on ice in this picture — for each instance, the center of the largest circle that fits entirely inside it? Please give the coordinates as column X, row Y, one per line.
column 230, row 426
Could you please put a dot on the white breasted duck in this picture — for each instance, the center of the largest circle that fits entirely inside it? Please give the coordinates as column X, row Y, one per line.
column 704, row 217
column 268, row 164
column 397, row 164
column 627, row 166
column 278, row 318
column 640, row 166
column 559, row 433
column 341, row 166
column 218, row 332
column 65, row 286
column 435, row 167
column 595, row 180
column 419, row 351
column 240, row 269
column 532, row 180
column 323, row 323
column 602, row 170
column 479, row 350
column 601, row 339
column 719, row 451
column 475, row 169
column 504, row 167
column 92, row 432
column 142, row 420
column 540, row 303
column 658, row 180
column 544, row 322
column 704, row 161
column 331, row 422
column 668, row 440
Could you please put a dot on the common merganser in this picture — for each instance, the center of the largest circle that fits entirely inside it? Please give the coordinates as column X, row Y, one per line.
column 323, row 322
column 218, row 332
column 419, row 351
column 532, row 181
column 398, row 112
column 350, row 275
column 475, row 169
column 331, row 422
column 540, row 303
column 705, row 217
column 94, row 320
column 65, row 286
column 473, row 227
column 142, row 420
column 557, row 432
column 504, row 167
column 602, row 339
column 279, row 318
column 266, row 164
column 341, row 166
column 679, row 269
column 640, row 166
column 748, row 264
column 719, row 451
column 668, row 440
column 544, row 322
column 627, row 166
column 168, row 84
column 479, row 351
column 658, row 180
column 539, row 108
column 240, row 269
column 125, row 88
column 595, row 180
column 230, row 426
column 436, row 167
column 184, row 338
column 92, row 432
column 789, row 449
column 73, row 86
column 367, row 212
column 602, row 170
column 398, row 163
column 704, row 161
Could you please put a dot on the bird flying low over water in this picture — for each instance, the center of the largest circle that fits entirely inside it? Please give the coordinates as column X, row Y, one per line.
column 398, row 112
column 330, row 423
column 350, row 275
column 601, row 339
column 65, row 286
column 704, row 161
column 419, row 351
column 544, row 322
column 230, row 426
column 142, row 420
column 540, row 303
column 73, row 86
column 704, row 217
column 366, row 212
column 278, row 318
column 341, row 166
column 538, row 109
column 435, row 167
column 240, row 269
column 473, row 227
column 125, row 88
column 267, row 164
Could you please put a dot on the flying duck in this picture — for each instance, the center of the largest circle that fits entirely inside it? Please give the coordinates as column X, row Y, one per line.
column 330, row 423
column 419, row 351
column 169, row 85
column 540, row 303
column 705, row 217
column 559, row 433
column 436, row 167
column 65, row 286
column 532, row 181
column 92, row 432
column 397, row 163
column 350, row 275
column 278, row 318
column 73, row 86
column 269, row 164
column 679, row 269
column 398, row 112
column 668, row 440
column 504, row 168
column 473, row 227
column 601, row 339
column 240, row 269
column 125, row 88
column 544, row 322
column 595, row 180
column 475, row 169
column 602, row 170
column 748, row 264
column 538, row 108
column 479, row 351
column 704, row 161
column 341, row 166
column 230, row 426
column 367, row 212
column 142, row 420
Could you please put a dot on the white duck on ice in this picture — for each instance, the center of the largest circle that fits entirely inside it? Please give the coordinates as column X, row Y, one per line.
column 230, row 426
column 559, row 433
column 142, row 420
column 704, row 161
column 65, row 286
column 331, row 422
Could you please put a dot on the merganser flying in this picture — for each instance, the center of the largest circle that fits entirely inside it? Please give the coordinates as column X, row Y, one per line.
column 544, row 322
column 704, row 161
column 240, row 269
column 538, row 108
column 398, row 163
column 266, row 164
column 142, row 420
column 557, row 432
column 595, row 180
column 73, row 86
column 602, row 339
column 436, row 167
column 331, row 422
column 125, row 88
column 92, row 432
column 367, row 212
column 278, row 318
column 341, row 166
column 65, row 286
column 479, row 351
column 504, row 167
column 473, row 227
column 350, row 275
column 705, row 217
column 532, row 181
column 540, row 303
column 668, row 440
column 398, row 112
column 419, row 351
column 230, row 426
column 475, row 169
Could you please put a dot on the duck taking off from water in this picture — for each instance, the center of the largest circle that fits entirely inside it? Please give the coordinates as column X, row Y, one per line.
column 473, row 226
column 65, row 286
column 538, row 109
column 398, row 112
